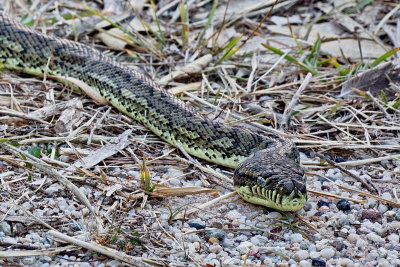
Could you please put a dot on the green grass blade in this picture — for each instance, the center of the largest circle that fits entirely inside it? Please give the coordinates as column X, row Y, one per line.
column 359, row 6
column 200, row 41
column 230, row 48
column 185, row 24
column 384, row 57
column 290, row 58
column 160, row 35
column 312, row 58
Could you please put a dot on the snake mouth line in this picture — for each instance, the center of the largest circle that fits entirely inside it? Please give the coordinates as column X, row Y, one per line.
column 273, row 198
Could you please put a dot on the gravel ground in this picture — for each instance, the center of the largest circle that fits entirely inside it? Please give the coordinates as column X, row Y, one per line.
column 231, row 233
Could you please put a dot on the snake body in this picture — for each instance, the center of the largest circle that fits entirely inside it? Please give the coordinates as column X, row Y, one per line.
column 267, row 165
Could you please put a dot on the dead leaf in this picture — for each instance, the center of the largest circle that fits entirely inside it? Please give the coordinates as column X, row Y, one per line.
column 374, row 81
column 114, row 39
column 114, row 146
column 70, row 116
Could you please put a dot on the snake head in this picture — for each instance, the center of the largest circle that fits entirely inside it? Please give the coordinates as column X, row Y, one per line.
column 271, row 180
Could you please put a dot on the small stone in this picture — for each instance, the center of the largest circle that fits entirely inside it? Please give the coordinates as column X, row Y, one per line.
column 361, row 243
column 215, row 248
column 393, row 238
column 215, row 234
column 314, row 254
column 28, row 260
column 352, row 238
column 371, row 203
column 339, row 245
column 232, row 206
column 372, row 256
column 371, row 215
column 19, row 229
column 5, row 228
column 387, row 195
column 274, row 215
column 296, row 238
column 321, row 203
column 303, row 157
column 375, row 238
column 252, row 253
column 343, row 205
column 52, row 189
column 386, row 175
column 318, row 262
column 10, row 240
column 339, row 159
column 382, row 208
column 244, row 247
column 345, row 262
column 301, row 255
column 305, row 263
column 323, row 209
column 327, row 253
column 394, row 225
column 307, row 207
column 197, row 224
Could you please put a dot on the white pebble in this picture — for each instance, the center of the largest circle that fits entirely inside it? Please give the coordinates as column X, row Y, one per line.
column 361, row 243
column 303, row 157
column 387, row 195
column 394, row 225
column 372, row 256
column 393, row 238
column 274, row 215
column 215, row 248
column 327, row 253
column 174, row 177
column 296, row 238
column 305, row 263
column 382, row 208
column 244, row 247
column 345, row 262
column 375, row 238
column 352, row 238
column 234, row 215
column 255, row 240
column 301, row 255
column 386, row 175
column 314, row 254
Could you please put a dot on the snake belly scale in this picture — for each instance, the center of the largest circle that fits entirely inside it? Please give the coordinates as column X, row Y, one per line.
column 267, row 165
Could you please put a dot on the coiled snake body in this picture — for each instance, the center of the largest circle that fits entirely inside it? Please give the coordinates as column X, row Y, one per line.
column 267, row 166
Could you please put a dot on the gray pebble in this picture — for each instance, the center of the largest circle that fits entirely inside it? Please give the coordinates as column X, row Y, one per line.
column 5, row 228
column 301, row 255
column 382, row 208
column 375, row 238
column 216, row 233
column 296, row 238
column 372, row 256
column 327, row 253
column 393, row 238
column 305, row 263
